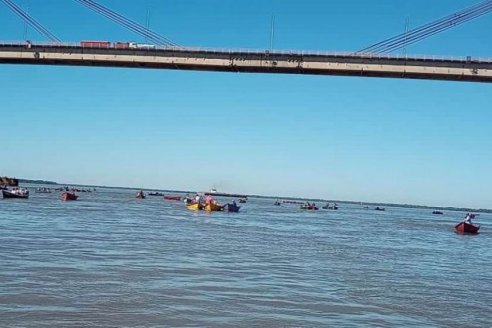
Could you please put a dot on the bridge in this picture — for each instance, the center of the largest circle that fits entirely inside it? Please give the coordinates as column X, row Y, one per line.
column 248, row 61
column 373, row 61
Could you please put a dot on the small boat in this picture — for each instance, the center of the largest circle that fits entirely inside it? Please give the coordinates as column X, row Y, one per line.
column 330, row 207
column 233, row 208
column 213, row 207
column 175, row 198
column 195, row 207
column 380, row 209
column 214, row 192
column 437, row 212
column 140, row 195
column 16, row 193
column 156, row 193
column 69, row 196
column 309, row 207
column 43, row 191
column 242, row 200
column 277, row 203
column 466, row 228
column 292, row 202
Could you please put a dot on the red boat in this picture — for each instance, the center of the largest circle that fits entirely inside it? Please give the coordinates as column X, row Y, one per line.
column 466, row 228
column 67, row 196
column 169, row 197
column 309, row 207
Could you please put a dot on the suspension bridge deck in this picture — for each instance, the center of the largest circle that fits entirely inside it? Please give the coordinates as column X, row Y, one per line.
column 246, row 61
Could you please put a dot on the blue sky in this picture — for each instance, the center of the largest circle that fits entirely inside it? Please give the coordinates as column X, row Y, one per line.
column 370, row 140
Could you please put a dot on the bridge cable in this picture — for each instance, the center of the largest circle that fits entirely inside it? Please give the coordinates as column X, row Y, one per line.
column 423, row 28
column 30, row 20
column 427, row 30
column 429, row 34
column 135, row 27
column 127, row 23
column 443, row 27
column 123, row 21
column 413, row 38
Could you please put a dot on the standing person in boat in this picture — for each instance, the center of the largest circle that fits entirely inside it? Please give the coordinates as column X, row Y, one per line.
column 209, row 200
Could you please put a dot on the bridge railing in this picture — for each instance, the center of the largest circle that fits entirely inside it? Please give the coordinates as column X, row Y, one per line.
column 266, row 51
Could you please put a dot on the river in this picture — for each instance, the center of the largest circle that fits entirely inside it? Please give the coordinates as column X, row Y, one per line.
column 110, row 260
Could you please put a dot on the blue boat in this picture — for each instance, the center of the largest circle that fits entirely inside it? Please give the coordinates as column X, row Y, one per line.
column 232, row 208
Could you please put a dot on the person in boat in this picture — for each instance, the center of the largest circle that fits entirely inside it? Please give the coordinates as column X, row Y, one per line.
column 197, row 199
column 468, row 218
column 209, row 200
column 233, row 204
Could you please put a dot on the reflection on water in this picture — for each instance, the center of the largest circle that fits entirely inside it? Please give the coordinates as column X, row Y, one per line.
column 111, row 260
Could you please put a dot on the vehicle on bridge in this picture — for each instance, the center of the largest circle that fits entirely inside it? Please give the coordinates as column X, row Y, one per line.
column 134, row 45
column 116, row 45
column 95, row 44
column 122, row 45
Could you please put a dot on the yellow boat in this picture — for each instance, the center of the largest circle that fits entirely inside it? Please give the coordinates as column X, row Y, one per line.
column 195, row 207
column 213, row 208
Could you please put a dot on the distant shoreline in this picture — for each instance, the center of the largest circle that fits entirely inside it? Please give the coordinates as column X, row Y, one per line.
column 448, row 208
column 37, row 182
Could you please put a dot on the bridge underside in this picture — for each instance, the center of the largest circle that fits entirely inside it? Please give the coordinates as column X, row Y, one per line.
column 250, row 62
